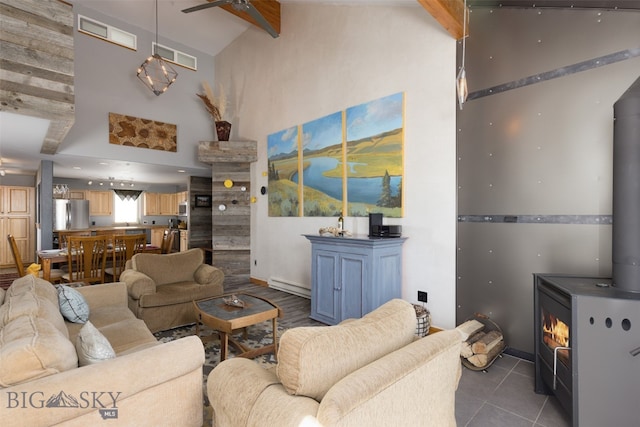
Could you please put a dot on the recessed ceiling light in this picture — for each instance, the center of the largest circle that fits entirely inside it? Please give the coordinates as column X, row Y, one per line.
column 77, row 167
column 181, row 170
column 103, row 163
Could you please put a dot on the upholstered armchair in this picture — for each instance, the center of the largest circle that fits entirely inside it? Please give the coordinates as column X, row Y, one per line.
column 371, row 371
column 162, row 287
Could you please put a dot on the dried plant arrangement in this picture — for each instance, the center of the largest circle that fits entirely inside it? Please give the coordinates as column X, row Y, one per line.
column 216, row 106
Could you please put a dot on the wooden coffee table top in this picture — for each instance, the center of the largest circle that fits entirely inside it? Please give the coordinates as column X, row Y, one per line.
column 214, row 313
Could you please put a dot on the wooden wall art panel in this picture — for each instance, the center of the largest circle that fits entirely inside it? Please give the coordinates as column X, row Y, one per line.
column 142, row 133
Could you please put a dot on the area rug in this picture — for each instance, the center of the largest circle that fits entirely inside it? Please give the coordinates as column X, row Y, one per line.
column 6, row 279
column 257, row 336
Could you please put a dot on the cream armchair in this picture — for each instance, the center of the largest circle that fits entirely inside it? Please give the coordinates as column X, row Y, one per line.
column 161, row 288
column 365, row 372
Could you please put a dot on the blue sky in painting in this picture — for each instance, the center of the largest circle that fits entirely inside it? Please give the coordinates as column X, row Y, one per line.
column 322, row 132
column 374, row 117
column 283, row 142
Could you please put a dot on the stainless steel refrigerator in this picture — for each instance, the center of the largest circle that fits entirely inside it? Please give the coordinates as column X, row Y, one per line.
column 70, row 214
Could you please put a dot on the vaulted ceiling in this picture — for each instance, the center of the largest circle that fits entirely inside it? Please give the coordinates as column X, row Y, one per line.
column 210, row 30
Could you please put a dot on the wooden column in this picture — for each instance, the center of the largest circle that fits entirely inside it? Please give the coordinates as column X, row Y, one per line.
column 231, row 211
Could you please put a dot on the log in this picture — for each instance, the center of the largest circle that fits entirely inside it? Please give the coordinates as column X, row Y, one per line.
column 486, row 343
column 481, row 360
column 469, row 328
column 466, row 350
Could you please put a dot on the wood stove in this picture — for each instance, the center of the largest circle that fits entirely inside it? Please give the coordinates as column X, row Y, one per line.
column 587, row 348
column 587, row 330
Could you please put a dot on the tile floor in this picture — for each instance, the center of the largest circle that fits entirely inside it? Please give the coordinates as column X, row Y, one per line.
column 504, row 397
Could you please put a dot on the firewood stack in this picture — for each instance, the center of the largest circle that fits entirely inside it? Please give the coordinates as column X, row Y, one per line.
column 480, row 346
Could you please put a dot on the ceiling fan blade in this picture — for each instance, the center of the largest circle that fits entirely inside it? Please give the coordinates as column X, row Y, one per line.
column 207, row 5
column 253, row 12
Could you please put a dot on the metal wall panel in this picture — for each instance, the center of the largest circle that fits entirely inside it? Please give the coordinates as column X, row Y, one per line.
column 539, row 148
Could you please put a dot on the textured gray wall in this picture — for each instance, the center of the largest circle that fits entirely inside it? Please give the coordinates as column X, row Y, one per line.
column 535, row 141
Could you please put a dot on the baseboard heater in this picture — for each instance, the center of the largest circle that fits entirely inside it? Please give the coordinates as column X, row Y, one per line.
column 289, row 287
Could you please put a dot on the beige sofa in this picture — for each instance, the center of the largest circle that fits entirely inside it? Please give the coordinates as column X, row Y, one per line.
column 39, row 364
column 162, row 288
column 365, row 372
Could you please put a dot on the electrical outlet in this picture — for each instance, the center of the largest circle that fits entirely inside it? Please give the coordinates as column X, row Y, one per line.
column 422, row 296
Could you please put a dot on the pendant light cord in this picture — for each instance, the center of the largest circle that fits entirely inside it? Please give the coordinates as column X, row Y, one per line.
column 155, row 50
column 464, row 32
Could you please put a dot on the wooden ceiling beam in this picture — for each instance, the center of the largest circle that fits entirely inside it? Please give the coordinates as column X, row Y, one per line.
column 269, row 9
column 449, row 13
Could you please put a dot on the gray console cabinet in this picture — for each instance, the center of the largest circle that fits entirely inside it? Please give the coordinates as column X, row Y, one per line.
column 351, row 276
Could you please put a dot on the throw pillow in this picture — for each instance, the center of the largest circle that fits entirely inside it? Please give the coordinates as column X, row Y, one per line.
column 92, row 347
column 73, row 306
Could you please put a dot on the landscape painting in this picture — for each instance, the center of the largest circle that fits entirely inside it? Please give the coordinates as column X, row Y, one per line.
column 282, row 157
column 349, row 162
column 322, row 165
column 375, row 135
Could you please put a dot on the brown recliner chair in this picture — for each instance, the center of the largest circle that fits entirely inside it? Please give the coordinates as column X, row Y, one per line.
column 162, row 287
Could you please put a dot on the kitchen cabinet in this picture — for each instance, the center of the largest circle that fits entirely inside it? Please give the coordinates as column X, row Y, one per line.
column 168, row 204
column 100, row 202
column 182, row 197
column 184, row 240
column 157, row 234
column 76, row 194
column 17, row 218
column 160, row 204
column 352, row 276
column 151, row 204
column 71, row 194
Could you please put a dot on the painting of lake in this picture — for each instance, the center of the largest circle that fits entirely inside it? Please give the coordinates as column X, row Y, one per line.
column 349, row 162
column 283, row 150
column 374, row 156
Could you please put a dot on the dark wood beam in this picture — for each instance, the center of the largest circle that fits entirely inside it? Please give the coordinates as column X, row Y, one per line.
column 449, row 13
column 269, row 9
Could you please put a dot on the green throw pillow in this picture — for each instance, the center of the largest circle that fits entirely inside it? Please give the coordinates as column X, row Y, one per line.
column 73, row 306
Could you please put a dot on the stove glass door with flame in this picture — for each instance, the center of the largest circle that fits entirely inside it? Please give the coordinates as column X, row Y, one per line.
column 553, row 344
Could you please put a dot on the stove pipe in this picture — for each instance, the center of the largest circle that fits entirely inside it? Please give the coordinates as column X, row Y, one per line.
column 626, row 190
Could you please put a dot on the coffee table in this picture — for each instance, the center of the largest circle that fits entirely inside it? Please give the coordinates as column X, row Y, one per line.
column 225, row 320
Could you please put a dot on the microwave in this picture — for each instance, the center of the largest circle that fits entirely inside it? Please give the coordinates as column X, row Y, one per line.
column 182, row 209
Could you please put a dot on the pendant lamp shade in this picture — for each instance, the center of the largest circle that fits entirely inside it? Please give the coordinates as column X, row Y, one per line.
column 155, row 72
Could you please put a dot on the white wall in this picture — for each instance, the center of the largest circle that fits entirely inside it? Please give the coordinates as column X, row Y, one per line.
column 329, row 58
column 106, row 81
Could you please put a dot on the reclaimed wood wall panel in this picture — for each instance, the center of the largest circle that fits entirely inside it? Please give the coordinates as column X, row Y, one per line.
column 199, row 227
column 37, row 64
column 231, row 227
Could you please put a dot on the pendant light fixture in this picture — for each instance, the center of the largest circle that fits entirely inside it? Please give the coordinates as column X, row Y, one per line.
column 156, row 73
column 461, row 79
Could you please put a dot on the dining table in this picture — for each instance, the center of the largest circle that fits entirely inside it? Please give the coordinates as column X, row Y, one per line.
column 47, row 257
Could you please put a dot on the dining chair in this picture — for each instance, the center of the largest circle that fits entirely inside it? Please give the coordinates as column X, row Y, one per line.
column 63, row 239
column 87, row 257
column 63, row 236
column 55, row 276
column 124, row 247
column 167, row 241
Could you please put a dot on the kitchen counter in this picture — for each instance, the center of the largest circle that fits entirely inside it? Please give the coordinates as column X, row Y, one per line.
column 117, row 227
